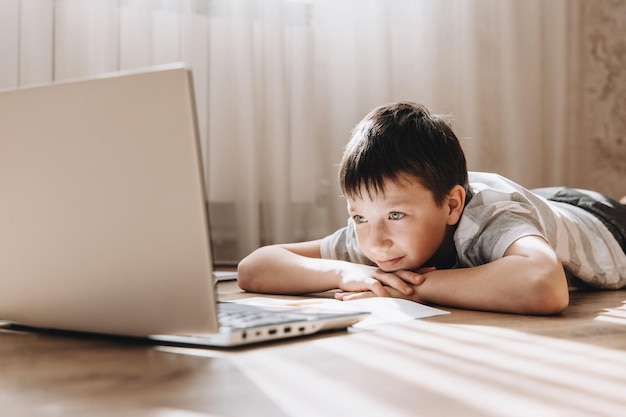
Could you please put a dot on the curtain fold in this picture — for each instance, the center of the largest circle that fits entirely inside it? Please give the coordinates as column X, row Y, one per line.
column 279, row 84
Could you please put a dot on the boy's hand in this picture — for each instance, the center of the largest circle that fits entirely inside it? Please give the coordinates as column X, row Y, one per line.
column 367, row 281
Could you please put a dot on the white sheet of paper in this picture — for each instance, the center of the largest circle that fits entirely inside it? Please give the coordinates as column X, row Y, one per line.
column 382, row 310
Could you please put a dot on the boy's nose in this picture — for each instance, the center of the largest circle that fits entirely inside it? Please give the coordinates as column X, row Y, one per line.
column 379, row 237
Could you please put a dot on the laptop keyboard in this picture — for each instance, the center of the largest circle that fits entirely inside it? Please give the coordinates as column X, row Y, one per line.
column 237, row 316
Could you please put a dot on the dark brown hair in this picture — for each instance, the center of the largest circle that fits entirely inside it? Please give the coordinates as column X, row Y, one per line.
column 403, row 139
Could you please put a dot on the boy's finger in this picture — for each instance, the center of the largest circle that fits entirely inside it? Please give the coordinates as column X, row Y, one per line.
column 376, row 287
column 359, row 295
column 411, row 277
column 394, row 281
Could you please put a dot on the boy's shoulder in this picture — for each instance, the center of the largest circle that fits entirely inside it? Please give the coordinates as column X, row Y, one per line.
column 488, row 187
column 491, row 180
column 493, row 193
column 499, row 212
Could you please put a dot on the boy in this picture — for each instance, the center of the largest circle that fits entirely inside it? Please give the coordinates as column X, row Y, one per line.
column 424, row 229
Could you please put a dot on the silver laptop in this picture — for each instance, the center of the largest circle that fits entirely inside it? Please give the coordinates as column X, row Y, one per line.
column 103, row 221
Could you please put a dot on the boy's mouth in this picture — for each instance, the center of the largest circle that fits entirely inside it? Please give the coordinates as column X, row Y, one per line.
column 389, row 263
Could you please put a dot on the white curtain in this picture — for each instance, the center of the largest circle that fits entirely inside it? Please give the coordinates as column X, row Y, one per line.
column 280, row 83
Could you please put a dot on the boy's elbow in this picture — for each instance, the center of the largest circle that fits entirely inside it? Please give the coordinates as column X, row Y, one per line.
column 550, row 304
column 256, row 273
column 245, row 275
column 550, row 294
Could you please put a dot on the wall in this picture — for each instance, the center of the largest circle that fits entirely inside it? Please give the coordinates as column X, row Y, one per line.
column 601, row 116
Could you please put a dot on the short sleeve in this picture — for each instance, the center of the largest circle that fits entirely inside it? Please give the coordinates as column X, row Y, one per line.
column 485, row 233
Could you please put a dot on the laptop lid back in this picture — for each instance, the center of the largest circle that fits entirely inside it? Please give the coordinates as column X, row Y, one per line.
column 103, row 224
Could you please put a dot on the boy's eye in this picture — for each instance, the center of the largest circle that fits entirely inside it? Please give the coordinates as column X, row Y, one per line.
column 396, row 215
column 359, row 219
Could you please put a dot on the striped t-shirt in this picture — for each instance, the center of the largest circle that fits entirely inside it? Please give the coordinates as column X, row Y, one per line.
column 499, row 213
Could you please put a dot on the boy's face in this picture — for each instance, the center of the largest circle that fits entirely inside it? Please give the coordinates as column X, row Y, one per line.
column 404, row 228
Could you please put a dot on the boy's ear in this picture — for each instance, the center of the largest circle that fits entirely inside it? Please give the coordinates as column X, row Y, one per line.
column 455, row 202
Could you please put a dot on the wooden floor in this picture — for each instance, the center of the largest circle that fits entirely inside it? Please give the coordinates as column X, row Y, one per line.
column 463, row 364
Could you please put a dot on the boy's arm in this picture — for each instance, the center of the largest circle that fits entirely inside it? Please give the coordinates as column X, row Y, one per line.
column 529, row 279
column 297, row 268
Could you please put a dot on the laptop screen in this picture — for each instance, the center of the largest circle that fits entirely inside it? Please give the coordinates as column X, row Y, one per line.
column 103, row 224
